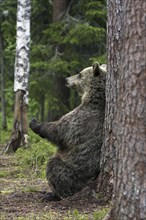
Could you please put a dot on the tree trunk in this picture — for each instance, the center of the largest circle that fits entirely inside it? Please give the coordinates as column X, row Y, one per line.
column 42, row 107
column 61, row 92
column 129, row 201
column 17, row 134
column 3, row 105
column 20, row 126
column 24, row 119
column 59, row 8
column 105, row 179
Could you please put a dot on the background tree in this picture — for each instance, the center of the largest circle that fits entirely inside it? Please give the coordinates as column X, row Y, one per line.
column 61, row 92
column 3, row 104
column 59, row 9
column 20, row 127
column 65, row 47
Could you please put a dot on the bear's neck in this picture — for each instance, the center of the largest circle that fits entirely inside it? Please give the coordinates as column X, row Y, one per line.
column 94, row 100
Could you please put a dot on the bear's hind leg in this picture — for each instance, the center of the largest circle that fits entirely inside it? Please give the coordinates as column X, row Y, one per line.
column 50, row 196
column 62, row 178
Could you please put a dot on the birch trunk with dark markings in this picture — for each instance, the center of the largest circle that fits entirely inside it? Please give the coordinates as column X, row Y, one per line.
column 21, row 76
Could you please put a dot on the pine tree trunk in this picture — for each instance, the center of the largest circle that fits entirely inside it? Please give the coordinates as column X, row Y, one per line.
column 105, row 179
column 20, row 126
column 129, row 201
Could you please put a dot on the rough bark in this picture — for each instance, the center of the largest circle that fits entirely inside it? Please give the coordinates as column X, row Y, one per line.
column 16, row 137
column 105, row 180
column 20, row 125
column 24, row 119
column 129, row 201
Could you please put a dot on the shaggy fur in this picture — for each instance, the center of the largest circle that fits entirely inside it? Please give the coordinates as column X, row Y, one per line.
column 77, row 134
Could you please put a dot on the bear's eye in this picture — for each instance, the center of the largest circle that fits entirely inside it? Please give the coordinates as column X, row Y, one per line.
column 80, row 75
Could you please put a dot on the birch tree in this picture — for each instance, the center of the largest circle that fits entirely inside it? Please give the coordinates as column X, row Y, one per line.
column 21, row 76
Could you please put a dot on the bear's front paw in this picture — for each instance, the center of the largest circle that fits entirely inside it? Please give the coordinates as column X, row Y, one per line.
column 34, row 125
column 33, row 122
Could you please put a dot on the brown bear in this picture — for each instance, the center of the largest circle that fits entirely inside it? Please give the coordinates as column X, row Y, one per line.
column 78, row 135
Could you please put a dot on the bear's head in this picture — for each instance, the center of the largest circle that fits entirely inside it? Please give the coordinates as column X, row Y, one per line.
column 89, row 81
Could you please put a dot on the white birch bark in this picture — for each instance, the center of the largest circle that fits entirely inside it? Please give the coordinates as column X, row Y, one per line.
column 22, row 48
column 21, row 76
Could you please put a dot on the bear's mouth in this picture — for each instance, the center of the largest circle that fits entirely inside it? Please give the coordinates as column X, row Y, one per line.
column 73, row 86
column 69, row 83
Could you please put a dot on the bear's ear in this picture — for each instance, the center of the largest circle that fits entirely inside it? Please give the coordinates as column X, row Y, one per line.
column 96, row 69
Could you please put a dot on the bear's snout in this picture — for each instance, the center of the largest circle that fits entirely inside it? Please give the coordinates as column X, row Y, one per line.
column 66, row 82
column 71, row 81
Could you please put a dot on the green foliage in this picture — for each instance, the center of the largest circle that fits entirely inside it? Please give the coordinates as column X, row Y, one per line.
column 65, row 47
column 57, row 49
column 5, row 134
column 8, row 24
column 96, row 11
column 84, row 35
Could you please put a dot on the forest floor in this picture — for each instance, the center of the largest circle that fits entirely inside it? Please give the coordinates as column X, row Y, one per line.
column 20, row 198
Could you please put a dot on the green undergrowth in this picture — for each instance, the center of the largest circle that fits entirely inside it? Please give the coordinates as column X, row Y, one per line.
column 9, row 173
column 27, row 161
column 33, row 159
column 5, row 134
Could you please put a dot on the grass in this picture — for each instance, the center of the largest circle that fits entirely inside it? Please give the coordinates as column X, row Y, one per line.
column 9, row 173
column 33, row 159
column 97, row 215
column 74, row 215
column 30, row 161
